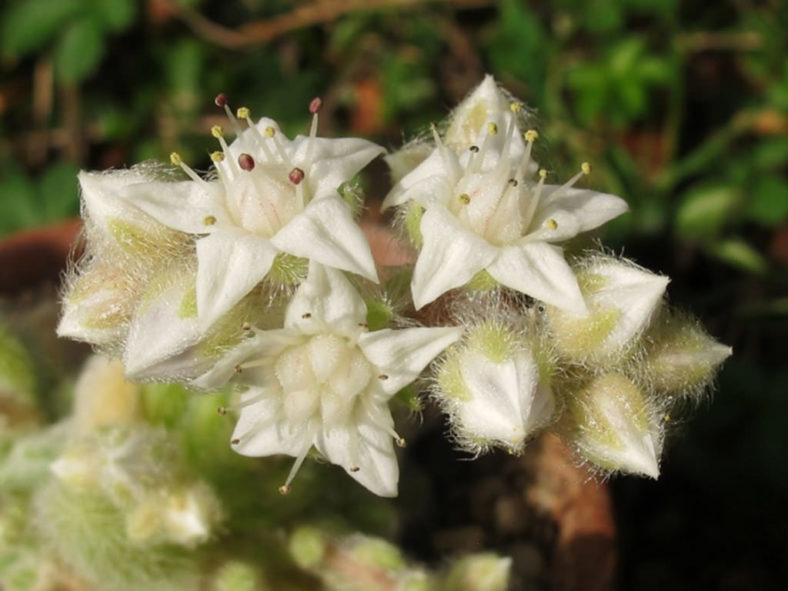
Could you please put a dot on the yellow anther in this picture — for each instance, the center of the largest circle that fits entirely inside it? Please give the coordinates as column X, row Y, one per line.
column 543, row 173
column 516, row 107
column 586, row 168
column 217, row 156
column 243, row 113
column 551, row 224
column 217, row 131
column 209, row 220
column 531, row 135
column 175, row 158
column 270, row 131
column 465, row 198
column 492, row 128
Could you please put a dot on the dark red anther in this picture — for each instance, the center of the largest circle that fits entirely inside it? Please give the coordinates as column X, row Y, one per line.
column 315, row 105
column 246, row 162
column 296, row 176
column 220, row 100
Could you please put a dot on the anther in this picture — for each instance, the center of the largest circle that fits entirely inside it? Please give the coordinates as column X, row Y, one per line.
column 516, row 107
column 220, row 100
column 531, row 135
column 175, row 158
column 354, row 469
column 296, row 176
column 209, row 220
column 284, row 489
column 235, row 441
column 306, row 315
column 383, row 377
column 513, row 182
column 315, row 105
column 217, row 131
column 465, row 198
column 246, row 162
column 543, row 173
column 270, row 131
column 246, row 326
column 221, row 410
column 401, row 442
column 586, row 168
column 492, row 128
column 217, row 156
column 243, row 113
column 363, row 325
column 238, row 369
column 474, row 149
column 551, row 224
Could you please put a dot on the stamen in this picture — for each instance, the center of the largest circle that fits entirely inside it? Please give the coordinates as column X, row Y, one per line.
column 176, row 160
column 585, row 169
column 217, row 156
column 233, row 120
column 296, row 176
column 270, row 132
column 436, row 136
column 246, row 162
column 285, row 488
column 314, row 107
column 218, row 133
column 243, row 113
column 533, row 202
column 220, row 100
column 478, row 159
column 209, row 220
column 530, row 137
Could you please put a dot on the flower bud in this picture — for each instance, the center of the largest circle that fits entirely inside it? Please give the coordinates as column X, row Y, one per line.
column 613, row 425
column 622, row 300
column 496, row 388
column 682, row 357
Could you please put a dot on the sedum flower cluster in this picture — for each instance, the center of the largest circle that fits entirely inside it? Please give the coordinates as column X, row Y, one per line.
column 257, row 279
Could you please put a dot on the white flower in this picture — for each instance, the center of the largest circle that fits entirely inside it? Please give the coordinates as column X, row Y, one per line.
column 622, row 299
column 273, row 195
column 485, row 213
column 495, row 389
column 325, row 381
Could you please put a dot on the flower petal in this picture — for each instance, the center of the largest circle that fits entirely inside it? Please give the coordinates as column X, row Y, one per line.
column 327, row 233
column 326, row 298
column 401, row 355
column 539, row 270
column 431, row 181
column 230, row 263
column 574, row 211
column 374, row 465
column 182, row 205
column 262, row 431
column 450, row 257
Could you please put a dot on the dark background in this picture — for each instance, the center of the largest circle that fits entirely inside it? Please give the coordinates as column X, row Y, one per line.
column 682, row 108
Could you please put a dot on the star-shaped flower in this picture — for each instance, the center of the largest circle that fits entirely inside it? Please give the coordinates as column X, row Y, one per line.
column 325, row 381
column 483, row 212
column 272, row 196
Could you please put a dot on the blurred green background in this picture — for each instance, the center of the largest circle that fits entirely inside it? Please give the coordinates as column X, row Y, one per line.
column 682, row 107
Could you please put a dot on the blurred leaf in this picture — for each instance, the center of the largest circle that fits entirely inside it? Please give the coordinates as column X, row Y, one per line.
column 117, row 14
column 18, row 198
column 79, row 50
column 28, row 24
column 58, row 191
column 704, row 210
column 768, row 202
column 771, row 153
column 739, row 253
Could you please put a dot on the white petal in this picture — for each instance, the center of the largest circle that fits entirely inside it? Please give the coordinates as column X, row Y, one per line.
column 264, row 345
column 431, row 181
column 540, row 271
column 375, row 458
column 575, row 211
column 262, row 430
column 230, row 263
column 182, row 205
column 326, row 300
column 450, row 257
column 401, row 355
column 332, row 161
column 327, row 233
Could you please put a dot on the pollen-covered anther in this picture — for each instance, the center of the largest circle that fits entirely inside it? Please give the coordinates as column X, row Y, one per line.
column 315, row 105
column 220, row 100
column 209, row 220
column 243, row 113
column 542, row 173
column 492, row 128
column 175, row 159
column 551, row 224
column 585, row 167
column 217, row 156
column 217, row 131
column 465, row 198
column 516, row 107
column 296, row 176
column 270, row 131
column 246, row 162
column 531, row 135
